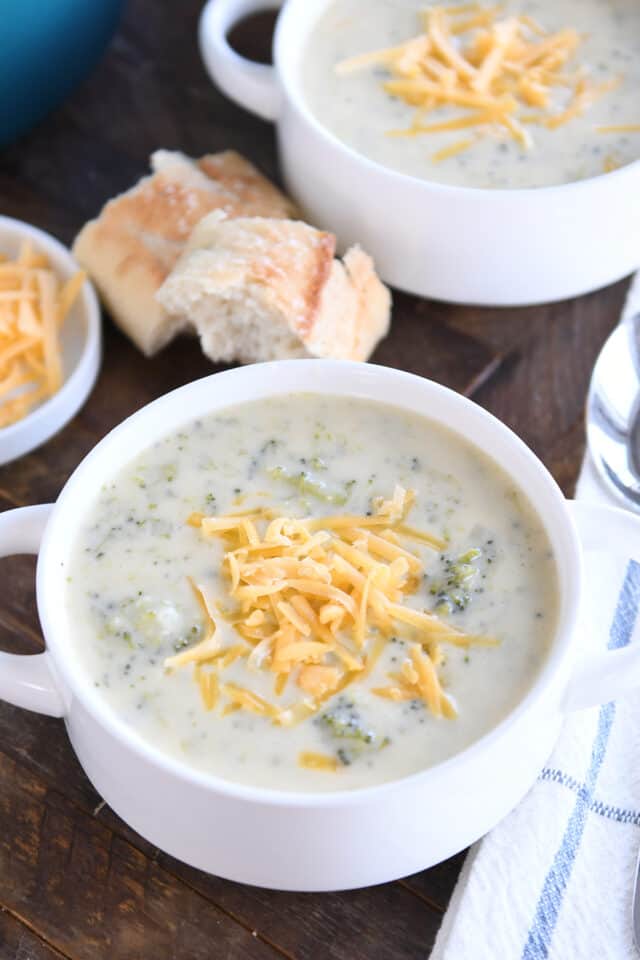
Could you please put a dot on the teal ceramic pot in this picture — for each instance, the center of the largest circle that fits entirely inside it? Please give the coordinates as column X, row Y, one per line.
column 46, row 48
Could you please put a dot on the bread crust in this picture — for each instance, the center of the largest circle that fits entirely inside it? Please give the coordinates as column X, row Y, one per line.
column 278, row 277
column 255, row 196
column 132, row 246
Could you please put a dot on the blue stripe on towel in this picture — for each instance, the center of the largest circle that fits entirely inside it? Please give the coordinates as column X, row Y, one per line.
column 620, row 815
column 548, row 908
column 616, row 813
column 559, row 776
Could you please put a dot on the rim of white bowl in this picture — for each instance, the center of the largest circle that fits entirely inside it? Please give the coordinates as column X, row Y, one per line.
column 285, row 73
column 559, row 652
column 51, row 416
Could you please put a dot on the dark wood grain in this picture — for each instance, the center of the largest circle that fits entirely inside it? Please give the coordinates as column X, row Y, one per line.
column 389, row 918
column 92, row 894
column 20, row 942
column 75, row 881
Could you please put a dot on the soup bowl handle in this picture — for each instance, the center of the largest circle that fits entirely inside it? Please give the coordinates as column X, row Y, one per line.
column 252, row 85
column 605, row 676
column 27, row 681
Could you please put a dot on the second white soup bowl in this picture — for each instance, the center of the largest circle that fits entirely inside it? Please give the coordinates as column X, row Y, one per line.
column 307, row 841
column 459, row 244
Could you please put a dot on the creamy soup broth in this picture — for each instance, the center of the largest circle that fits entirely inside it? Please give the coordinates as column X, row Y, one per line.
column 360, row 113
column 131, row 605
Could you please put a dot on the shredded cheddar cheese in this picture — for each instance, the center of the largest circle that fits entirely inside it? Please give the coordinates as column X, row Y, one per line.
column 317, row 761
column 452, row 150
column 620, row 128
column 33, row 307
column 493, row 69
column 316, row 601
column 611, row 162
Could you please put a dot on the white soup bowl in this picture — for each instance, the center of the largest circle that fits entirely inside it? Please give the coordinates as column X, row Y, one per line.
column 458, row 244
column 312, row 841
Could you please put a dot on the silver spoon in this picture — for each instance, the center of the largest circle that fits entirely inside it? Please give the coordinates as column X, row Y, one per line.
column 613, row 412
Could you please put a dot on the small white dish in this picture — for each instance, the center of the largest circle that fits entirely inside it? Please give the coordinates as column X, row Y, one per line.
column 80, row 341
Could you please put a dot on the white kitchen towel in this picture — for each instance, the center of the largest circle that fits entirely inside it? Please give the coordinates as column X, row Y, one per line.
column 554, row 880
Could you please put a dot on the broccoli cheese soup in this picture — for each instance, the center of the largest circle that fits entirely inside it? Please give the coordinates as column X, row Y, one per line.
column 528, row 94
column 311, row 593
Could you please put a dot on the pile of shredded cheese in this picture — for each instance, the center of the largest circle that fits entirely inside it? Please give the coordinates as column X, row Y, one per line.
column 503, row 75
column 33, row 306
column 314, row 601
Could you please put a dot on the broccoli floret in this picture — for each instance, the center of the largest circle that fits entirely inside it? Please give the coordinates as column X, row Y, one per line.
column 350, row 736
column 305, row 483
column 453, row 591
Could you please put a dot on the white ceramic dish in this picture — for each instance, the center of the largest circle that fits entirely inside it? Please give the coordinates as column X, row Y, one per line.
column 331, row 840
column 81, row 347
column 464, row 245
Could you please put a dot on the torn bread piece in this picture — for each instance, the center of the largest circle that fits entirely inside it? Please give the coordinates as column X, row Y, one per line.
column 264, row 289
column 133, row 245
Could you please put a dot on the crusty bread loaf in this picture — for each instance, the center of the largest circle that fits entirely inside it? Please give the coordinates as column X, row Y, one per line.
column 132, row 246
column 265, row 289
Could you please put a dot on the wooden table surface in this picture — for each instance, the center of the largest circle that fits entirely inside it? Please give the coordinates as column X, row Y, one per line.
column 75, row 881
